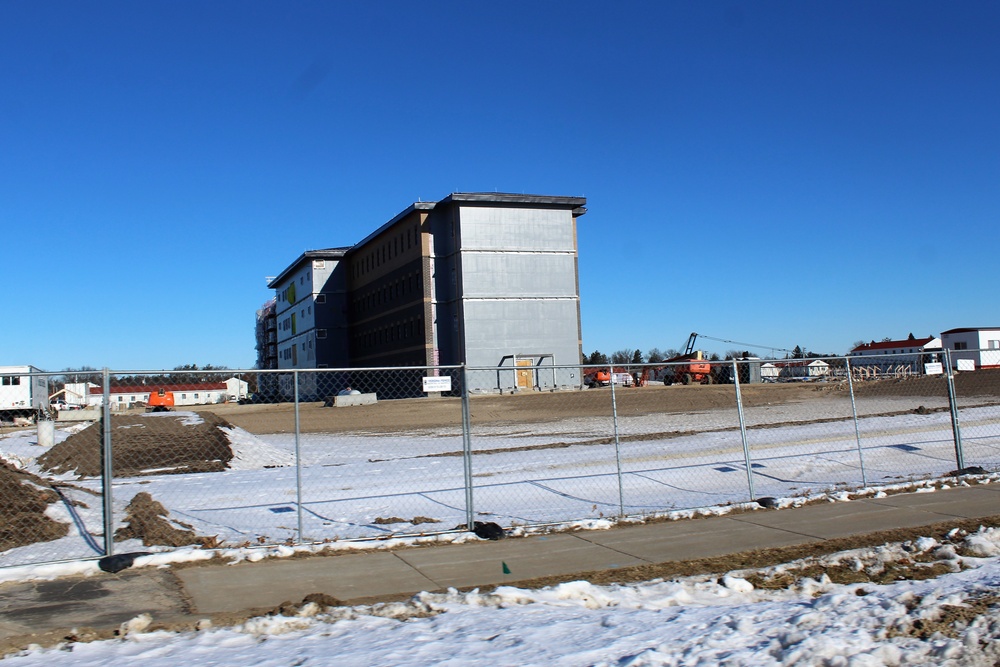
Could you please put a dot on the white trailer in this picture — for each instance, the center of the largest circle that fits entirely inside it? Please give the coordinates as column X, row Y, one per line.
column 22, row 394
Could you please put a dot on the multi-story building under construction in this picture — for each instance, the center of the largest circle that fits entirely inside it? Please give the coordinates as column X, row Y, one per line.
column 484, row 279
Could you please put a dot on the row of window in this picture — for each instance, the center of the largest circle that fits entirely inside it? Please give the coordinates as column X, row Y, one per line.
column 389, row 248
column 287, row 353
column 287, row 295
column 133, row 399
column 406, row 287
column 10, row 380
column 411, row 330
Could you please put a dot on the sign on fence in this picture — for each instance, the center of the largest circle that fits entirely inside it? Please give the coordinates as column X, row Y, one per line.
column 437, row 383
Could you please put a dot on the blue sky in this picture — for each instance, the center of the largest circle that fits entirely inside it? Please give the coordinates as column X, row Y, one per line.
column 780, row 173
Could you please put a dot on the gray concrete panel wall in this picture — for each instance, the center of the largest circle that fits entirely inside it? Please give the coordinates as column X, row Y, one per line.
column 518, row 274
column 497, row 328
column 485, row 228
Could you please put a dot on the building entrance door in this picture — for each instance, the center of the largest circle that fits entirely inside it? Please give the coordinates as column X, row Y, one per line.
column 525, row 376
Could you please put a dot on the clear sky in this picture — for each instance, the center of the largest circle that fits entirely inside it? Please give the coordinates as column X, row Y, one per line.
column 781, row 173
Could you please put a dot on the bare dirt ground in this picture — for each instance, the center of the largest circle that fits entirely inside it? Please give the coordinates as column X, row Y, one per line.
column 23, row 500
column 160, row 444
column 535, row 407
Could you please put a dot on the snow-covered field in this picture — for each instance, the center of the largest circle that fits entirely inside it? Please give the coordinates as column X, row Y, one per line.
column 360, row 485
column 349, row 480
column 719, row 620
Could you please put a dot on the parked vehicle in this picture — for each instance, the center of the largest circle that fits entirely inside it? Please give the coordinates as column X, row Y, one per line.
column 160, row 401
column 599, row 378
column 689, row 367
column 604, row 378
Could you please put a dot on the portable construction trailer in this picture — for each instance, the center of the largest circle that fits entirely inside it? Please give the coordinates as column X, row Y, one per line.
column 22, row 393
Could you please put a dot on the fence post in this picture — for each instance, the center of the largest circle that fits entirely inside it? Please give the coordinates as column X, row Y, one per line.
column 743, row 428
column 854, row 412
column 467, row 449
column 953, row 405
column 298, row 455
column 107, row 470
column 618, row 456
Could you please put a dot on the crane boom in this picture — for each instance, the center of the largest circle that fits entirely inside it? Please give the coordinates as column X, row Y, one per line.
column 735, row 342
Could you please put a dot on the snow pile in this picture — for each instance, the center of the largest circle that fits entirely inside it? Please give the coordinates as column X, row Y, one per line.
column 691, row 621
column 253, row 453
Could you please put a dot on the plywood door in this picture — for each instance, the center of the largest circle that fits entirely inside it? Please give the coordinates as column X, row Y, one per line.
column 525, row 376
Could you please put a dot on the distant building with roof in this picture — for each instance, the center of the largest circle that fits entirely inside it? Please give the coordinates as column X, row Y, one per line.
column 482, row 279
column 896, row 357
column 123, row 397
column 979, row 344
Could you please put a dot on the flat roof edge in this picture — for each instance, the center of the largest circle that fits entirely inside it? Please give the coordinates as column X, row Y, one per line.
column 326, row 253
column 512, row 198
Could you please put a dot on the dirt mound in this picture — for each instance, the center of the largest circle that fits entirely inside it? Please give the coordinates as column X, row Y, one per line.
column 163, row 443
column 23, row 501
column 147, row 521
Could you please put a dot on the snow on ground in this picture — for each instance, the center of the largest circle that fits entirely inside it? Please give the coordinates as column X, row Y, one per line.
column 691, row 621
column 372, row 485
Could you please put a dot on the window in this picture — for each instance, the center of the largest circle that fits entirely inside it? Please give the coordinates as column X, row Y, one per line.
column 320, row 333
column 196, row 395
column 320, row 298
column 319, row 264
column 959, row 345
column 993, row 344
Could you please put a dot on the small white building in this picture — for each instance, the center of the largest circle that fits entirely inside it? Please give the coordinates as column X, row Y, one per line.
column 800, row 368
column 78, row 393
column 236, row 389
column 981, row 345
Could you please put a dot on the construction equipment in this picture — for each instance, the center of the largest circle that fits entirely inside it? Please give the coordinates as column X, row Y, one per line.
column 160, row 401
column 695, row 369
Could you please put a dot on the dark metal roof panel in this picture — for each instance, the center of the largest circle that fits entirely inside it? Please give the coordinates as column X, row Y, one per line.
column 308, row 255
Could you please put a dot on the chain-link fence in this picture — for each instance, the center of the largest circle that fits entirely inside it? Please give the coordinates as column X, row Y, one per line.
column 157, row 459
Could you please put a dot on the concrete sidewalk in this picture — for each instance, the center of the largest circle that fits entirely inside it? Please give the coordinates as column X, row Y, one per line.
column 177, row 595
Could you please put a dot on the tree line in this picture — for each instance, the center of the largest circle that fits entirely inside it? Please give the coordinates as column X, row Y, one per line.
column 184, row 374
column 626, row 357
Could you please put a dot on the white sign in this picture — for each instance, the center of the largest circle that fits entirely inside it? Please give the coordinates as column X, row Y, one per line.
column 933, row 368
column 965, row 364
column 439, row 383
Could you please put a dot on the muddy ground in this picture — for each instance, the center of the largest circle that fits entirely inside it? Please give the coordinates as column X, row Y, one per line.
column 150, row 444
column 161, row 444
column 23, row 500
